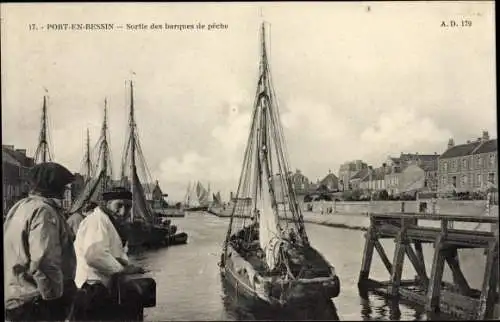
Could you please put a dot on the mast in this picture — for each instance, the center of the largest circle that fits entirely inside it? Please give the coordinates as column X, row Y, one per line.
column 88, row 162
column 42, row 153
column 132, row 143
column 104, row 149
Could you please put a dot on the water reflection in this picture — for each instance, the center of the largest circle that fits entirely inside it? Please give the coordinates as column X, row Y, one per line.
column 238, row 307
column 376, row 307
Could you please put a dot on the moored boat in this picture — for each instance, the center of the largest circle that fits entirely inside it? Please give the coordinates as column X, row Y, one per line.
column 177, row 239
column 267, row 255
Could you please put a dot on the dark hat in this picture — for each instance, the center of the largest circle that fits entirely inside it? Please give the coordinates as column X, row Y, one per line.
column 117, row 193
column 49, row 178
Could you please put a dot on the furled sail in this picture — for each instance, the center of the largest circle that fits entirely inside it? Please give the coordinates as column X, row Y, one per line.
column 141, row 209
column 269, row 232
column 91, row 192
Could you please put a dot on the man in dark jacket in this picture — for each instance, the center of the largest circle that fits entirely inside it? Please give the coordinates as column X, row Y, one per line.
column 39, row 258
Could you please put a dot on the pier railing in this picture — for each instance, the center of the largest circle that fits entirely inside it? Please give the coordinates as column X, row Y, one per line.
column 456, row 298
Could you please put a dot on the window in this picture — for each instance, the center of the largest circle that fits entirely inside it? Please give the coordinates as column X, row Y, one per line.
column 478, row 162
column 445, row 166
column 454, row 181
column 464, row 164
column 491, row 177
column 478, row 181
column 454, row 164
column 492, row 160
column 463, row 180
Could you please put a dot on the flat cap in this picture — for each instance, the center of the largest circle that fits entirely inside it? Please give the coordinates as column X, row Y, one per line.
column 117, row 193
column 49, row 178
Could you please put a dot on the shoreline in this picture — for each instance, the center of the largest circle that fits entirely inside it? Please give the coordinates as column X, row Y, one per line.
column 337, row 220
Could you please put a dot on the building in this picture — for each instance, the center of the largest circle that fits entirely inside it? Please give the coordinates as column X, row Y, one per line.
column 468, row 167
column 399, row 180
column 331, row 182
column 73, row 191
column 411, row 179
column 431, row 175
column 15, row 166
column 300, row 182
column 374, row 181
column 347, row 171
column 356, row 181
column 154, row 194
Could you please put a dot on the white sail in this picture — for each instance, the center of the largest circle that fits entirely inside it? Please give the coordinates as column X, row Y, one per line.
column 194, row 201
column 269, row 231
column 188, row 194
column 202, row 195
column 210, row 199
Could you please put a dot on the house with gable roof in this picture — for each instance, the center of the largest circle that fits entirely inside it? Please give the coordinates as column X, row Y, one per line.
column 330, row 181
column 469, row 167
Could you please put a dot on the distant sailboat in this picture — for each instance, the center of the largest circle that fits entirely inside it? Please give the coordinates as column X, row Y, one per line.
column 269, row 258
column 197, row 198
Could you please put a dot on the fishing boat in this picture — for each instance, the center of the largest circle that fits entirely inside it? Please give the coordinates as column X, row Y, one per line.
column 266, row 255
column 146, row 228
column 97, row 169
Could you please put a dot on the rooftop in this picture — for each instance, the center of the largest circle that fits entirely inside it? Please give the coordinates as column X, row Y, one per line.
column 475, row 147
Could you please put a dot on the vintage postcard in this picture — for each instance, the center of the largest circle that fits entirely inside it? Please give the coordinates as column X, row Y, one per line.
column 250, row 160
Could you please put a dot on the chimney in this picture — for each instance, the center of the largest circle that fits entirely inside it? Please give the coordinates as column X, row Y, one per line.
column 486, row 136
column 451, row 143
column 468, row 141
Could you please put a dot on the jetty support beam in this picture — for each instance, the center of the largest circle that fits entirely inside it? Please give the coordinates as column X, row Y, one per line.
column 434, row 294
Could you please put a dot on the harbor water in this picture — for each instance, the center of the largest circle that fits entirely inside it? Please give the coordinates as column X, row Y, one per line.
column 189, row 286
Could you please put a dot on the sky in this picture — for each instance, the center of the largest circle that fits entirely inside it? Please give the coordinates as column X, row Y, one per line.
column 353, row 81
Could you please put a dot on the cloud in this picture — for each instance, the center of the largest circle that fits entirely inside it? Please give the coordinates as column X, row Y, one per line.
column 402, row 130
column 221, row 163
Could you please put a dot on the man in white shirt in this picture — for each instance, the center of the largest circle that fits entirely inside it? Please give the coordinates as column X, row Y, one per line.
column 101, row 254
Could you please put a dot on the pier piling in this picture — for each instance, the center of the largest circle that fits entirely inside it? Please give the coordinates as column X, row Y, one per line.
column 456, row 298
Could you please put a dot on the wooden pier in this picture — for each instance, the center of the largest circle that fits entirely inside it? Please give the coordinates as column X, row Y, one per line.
column 458, row 298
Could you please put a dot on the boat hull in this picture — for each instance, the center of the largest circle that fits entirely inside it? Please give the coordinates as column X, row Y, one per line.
column 141, row 235
column 274, row 291
column 178, row 239
column 170, row 212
